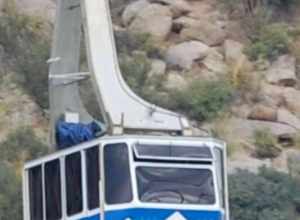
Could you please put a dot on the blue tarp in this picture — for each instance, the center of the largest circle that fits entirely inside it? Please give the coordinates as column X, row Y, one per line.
column 70, row 134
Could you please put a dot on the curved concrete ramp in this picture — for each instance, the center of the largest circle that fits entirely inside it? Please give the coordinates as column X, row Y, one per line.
column 125, row 110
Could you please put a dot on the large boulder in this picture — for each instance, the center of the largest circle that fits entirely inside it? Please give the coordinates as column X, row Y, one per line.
column 283, row 71
column 272, row 94
column 292, row 100
column 285, row 116
column 178, row 7
column 155, row 20
column 185, row 54
column 204, row 31
column 132, row 10
column 263, row 112
column 215, row 62
column 245, row 129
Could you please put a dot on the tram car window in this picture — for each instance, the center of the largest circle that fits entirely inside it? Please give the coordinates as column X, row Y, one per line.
column 74, row 183
column 146, row 151
column 175, row 185
column 93, row 176
column 53, row 190
column 36, row 193
column 116, row 167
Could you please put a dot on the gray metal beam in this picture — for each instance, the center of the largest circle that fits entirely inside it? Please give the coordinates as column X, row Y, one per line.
column 65, row 56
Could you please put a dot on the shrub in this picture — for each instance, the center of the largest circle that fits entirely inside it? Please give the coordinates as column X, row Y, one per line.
column 282, row 4
column 135, row 71
column 272, row 42
column 265, row 144
column 203, row 100
column 266, row 195
column 129, row 42
column 10, row 194
column 20, row 145
column 255, row 24
column 27, row 45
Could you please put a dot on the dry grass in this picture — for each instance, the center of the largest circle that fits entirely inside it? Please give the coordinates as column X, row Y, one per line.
column 222, row 130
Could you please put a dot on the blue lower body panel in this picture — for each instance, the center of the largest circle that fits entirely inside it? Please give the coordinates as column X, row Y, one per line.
column 157, row 214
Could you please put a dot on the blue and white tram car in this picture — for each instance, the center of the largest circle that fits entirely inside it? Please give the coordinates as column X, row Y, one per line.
column 130, row 178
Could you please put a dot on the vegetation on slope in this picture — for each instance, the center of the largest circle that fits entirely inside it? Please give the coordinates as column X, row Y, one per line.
column 26, row 43
column 267, row 195
column 21, row 145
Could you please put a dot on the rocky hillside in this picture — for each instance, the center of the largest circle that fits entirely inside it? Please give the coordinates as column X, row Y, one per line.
column 254, row 51
column 231, row 66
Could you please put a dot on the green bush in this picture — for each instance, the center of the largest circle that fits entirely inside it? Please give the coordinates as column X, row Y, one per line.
column 127, row 43
column 10, row 194
column 26, row 43
column 282, row 4
column 203, row 100
column 265, row 144
column 271, row 42
column 266, row 195
column 135, row 71
column 20, row 145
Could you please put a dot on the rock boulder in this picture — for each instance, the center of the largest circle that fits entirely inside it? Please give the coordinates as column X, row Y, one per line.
column 245, row 129
column 215, row 62
column 185, row 54
column 178, row 7
column 283, row 71
column 155, row 20
column 263, row 112
column 292, row 100
column 207, row 32
column 132, row 10
column 285, row 116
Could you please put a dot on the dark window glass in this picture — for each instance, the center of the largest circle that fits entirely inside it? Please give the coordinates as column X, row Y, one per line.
column 53, row 190
column 93, row 177
column 173, row 151
column 73, row 183
column 35, row 193
column 175, row 185
column 117, row 174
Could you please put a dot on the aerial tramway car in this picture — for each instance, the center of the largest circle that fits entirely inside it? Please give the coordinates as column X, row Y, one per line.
column 166, row 176
column 129, row 178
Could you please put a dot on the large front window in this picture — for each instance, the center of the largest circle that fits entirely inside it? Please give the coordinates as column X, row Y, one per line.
column 175, row 185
